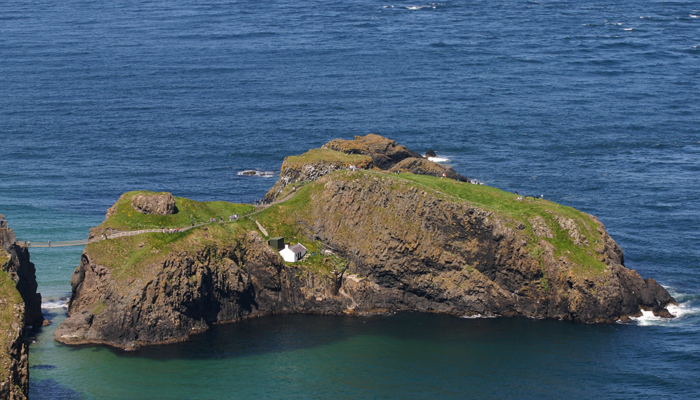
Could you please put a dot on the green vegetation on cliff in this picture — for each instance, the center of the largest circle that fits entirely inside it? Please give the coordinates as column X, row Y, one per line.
column 283, row 219
column 506, row 204
column 128, row 256
column 124, row 217
column 315, row 156
column 10, row 297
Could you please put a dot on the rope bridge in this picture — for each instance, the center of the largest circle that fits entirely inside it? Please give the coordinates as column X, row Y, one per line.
column 105, row 236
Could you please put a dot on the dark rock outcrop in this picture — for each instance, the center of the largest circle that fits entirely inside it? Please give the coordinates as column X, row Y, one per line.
column 385, row 152
column 21, row 307
column 158, row 204
column 23, row 273
column 294, row 171
column 421, row 166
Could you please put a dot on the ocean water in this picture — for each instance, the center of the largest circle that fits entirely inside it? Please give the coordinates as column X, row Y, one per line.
column 592, row 104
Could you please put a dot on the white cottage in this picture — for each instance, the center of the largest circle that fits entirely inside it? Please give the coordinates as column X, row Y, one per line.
column 293, row 253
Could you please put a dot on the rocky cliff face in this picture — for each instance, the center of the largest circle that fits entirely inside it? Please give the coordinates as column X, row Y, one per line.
column 185, row 293
column 313, row 165
column 406, row 246
column 370, row 151
column 436, row 254
column 20, row 306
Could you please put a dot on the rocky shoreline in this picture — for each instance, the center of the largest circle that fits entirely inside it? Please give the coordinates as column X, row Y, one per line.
column 381, row 242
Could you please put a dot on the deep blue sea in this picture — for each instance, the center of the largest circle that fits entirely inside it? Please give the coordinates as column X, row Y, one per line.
column 594, row 104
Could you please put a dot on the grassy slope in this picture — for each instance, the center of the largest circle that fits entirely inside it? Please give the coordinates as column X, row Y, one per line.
column 505, row 204
column 10, row 296
column 128, row 257
column 280, row 219
column 126, row 218
column 325, row 155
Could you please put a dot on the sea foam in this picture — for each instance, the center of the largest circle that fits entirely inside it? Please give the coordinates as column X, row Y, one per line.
column 53, row 304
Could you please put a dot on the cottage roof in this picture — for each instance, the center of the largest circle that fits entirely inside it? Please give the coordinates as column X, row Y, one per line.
column 297, row 248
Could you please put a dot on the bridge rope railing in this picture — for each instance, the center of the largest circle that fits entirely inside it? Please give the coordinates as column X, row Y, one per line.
column 114, row 235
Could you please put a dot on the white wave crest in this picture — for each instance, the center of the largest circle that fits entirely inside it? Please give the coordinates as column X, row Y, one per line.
column 477, row 316
column 261, row 174
column 53, row 304
column 438, row 159
column 680, row 312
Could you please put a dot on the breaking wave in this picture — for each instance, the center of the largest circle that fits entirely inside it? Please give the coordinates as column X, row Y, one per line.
column 53, row 304
column 438, row 159
column 688, row 308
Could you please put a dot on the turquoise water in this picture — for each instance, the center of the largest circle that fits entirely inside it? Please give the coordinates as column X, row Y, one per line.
column 400, row 356
column 596, row 105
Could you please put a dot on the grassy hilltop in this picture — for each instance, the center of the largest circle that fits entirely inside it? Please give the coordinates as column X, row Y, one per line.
column 128, row 256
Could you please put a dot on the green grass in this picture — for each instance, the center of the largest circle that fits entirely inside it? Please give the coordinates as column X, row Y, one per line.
column 99, row 307
column 325, row 155
column 127, row 218
column 131, row 256
column 4, row 257
column 506, row 205
column 282, row 219
column 10, row 297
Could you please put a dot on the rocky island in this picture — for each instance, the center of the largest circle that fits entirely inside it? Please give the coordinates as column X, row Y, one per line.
column 20, row 308
column 386, row 230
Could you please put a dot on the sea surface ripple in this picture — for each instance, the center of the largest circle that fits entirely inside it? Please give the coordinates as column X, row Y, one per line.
column 594, row 104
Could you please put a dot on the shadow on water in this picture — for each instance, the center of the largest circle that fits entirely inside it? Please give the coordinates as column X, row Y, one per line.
column 281, row 333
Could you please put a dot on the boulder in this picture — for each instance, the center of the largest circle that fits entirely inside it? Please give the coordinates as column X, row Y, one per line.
column 158, row 204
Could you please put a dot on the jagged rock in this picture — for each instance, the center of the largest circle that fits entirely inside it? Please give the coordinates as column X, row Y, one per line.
column 158, row 204
column 385, row 152
column 21, row 306
column 313, row 165
column 569, row 225
column 381, row 153
column 421, row 166
column 540, row 227
column 430, row 153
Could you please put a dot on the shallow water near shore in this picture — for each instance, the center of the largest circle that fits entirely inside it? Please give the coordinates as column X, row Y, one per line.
column 594, row 105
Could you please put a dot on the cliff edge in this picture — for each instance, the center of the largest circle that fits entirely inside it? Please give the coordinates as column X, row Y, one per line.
column 377, row 242
column 20, row 307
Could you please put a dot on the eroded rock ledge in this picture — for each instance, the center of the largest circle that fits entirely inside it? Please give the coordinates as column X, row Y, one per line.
column 383, row 242
column 20, row 307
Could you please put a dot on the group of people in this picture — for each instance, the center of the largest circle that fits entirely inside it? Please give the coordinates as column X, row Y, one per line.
column 233, row 217
column 170, row 230
column 521, row 198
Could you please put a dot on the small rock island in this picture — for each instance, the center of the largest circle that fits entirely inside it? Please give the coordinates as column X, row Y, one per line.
column 385, row 230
